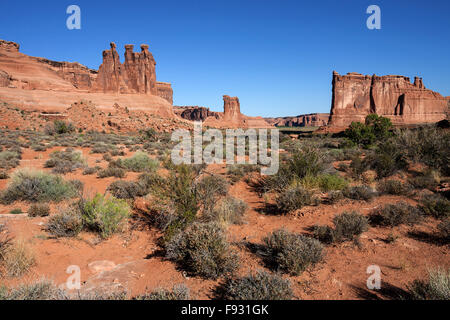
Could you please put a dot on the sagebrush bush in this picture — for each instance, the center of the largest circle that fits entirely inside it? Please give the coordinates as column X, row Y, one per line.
column 444, row 230
column 347, row 226
column 394, row 187
column 292, row 253
column 202, row 249
column 178, row 292
column 237, row 171
column 229, row 211
column 39, row 290
column 111, row 172
column 140, row 162
column 259, row 286
column 426, row 180
column 334, row 196
column 209, row 189
column 361, row 192
column 387, row 159
column 37, row 186
column 65, row 161
column 307, row 161
column 106, row 215
column 39, row 210
column 9, row 159
column 437, row 287
column 4, row 175
column 294, row 198
column 435, row 205
column 122, row 189
column 68, row 223
column 396, row 214
column 325, row 182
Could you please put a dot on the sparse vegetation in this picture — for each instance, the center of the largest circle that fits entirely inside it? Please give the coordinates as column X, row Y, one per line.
column 229, row 211
column 259, row 286
column 435, row 205
column 394, row 187
column 139, row 162
column 437, row 287
column 292, row 253
column 111, row 172
column 392, row 215
column 202, row 249
column 68, row 223
column 37, row 186
column 361, row 192
column 347, row 226
column 294, row 198
column 65, row 161
column 178, row 292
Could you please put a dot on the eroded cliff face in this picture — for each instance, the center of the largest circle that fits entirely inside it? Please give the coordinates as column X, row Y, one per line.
column 195, row 113
column 355, row 96
column 26, row 81
column 303, row 120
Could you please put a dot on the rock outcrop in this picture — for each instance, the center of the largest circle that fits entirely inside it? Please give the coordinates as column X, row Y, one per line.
column 25, row 81
column 195, row 113
column 303, row 120
column 355, row 96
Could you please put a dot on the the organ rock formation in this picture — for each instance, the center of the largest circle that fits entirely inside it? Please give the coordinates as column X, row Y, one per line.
column 355, row 96
column 303, row 120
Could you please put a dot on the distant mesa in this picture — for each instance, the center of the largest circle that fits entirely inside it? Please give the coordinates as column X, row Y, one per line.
column 303, row 120
column 354, row 96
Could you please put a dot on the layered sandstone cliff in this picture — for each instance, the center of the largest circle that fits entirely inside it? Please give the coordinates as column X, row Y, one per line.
column 303, row 120
column 25, row 81
column 355, row 96
column 195, row 113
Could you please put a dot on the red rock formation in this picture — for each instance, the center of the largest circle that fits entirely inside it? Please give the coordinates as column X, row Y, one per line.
column 304, row 120
column 195, row 113
column 165, row 91
column 9, row 46
column 110, row 78
column 356, row 95
column 231, row 109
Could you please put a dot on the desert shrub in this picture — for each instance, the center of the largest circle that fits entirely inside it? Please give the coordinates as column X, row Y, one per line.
column 292, row 253
column 122, row 189
column 105, row 215
column 229, row 211
column 111, row 172
column 387, row 159
column 151, row 180
column 5, row 243
column 37, row 186
column 9, row 159
column 277, row 182
column 140, row 162
column 437, row 287
column 65, row 161
column 101, row 148
column 59, row 127
column 334, row 196
column 329, row 182
column 294, row 198
column 428, row 145
column 361, row 192
column 90, row 170
column 349, row 225
column 178, row 292
column 307, row 161
column 203, row 250
column 39, row 290
column 237, row 171
column 208, row 189
column 435, row 205
column 427, row 180
column 374, row 129
column 396, row 214
column 68, row 223
column 39, row 210
column 324, row 234
column 16, row 211
column 358, row 166
column 259, row 286
column 394, row 187
column 18, row 259
column 4, row 175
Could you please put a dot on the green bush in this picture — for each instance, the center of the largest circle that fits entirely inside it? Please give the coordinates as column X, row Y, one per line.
column 396, row 214
column 292, row 253
column 37, row 186
column 122, row 189
column 105, row 215
column 9, row 159
column 294, row 198
column 202, row 249
column 39, row 290
column 307, row 161
column 387, row 159
column 39, row 210
column 68, row 223
column 375, row 128
column 435, row 205
column 209, row 189
column 259, row 286
column 140, row 162
column 361, row 192
column 16, row 211
column 437, row 287
column 178, row 292
column 329, row 182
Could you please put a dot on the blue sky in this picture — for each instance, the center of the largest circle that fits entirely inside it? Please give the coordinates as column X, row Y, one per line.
column 276, row 56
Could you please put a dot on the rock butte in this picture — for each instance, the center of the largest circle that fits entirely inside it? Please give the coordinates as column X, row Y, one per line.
column 355, row 96
column 25, row 82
